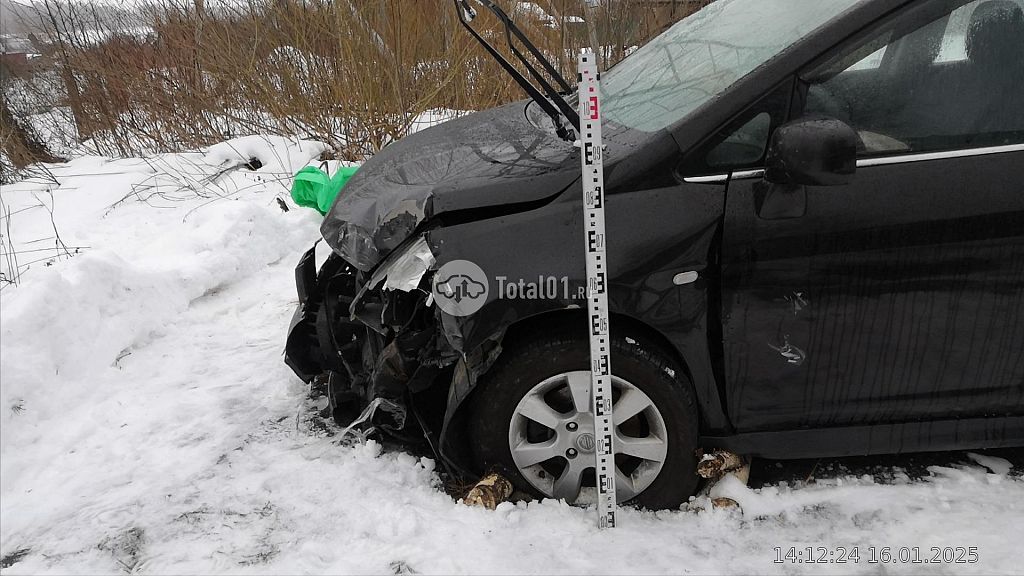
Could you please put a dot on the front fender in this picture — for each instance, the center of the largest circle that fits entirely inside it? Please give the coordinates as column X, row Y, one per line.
column 653, row 236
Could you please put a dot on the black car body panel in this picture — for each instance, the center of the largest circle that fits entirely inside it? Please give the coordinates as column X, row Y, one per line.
column 880, row 314
column 914, row 436
column 655, row 234
column 302, row 346
column 492, row 158
column 915, row 267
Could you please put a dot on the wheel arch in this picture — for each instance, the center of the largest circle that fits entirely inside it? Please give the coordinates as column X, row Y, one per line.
column 574, row 320
column 454, row 437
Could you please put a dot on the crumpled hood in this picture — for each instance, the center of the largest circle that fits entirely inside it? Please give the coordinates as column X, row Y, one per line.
column 484, row 159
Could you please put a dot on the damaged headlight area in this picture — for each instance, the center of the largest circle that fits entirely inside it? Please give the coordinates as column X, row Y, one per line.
column 404, row 270
column 377, row 338
column 393, row 297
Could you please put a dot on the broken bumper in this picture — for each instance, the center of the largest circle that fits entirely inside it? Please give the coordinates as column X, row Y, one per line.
column 375, row 337
column 301, row 346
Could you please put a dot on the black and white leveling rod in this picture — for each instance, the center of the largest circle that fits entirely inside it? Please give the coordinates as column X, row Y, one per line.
column 591, row 154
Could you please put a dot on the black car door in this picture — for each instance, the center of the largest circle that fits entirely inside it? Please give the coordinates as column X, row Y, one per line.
column 899, row 296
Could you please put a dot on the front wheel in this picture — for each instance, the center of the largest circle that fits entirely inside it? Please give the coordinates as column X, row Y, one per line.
column 531, row 417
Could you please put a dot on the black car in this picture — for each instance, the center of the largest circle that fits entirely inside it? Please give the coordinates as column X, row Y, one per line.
column 815, row 216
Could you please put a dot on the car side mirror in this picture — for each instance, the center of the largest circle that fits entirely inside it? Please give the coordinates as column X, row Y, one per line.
column 812, row 151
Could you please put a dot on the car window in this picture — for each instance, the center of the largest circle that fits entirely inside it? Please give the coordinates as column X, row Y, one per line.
column 871, row 61
column 952, row 82
column 704, row 54
column 743, row 147
column 741, row 143
column 954, row 42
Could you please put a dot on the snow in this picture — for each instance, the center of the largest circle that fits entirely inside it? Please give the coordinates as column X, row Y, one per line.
column 534, row 11
column 91, row 36
column 433, row 117
column 149, row 424
column 998, row 466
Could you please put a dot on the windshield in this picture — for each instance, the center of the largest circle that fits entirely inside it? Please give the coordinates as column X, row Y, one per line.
column 705, row 53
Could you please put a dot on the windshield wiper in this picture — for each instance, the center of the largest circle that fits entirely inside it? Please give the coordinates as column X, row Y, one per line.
column 561, row 107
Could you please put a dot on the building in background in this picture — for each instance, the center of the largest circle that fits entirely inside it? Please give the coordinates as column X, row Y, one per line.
column 15, row 50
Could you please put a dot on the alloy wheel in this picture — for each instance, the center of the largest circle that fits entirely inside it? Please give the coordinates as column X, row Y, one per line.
column 552, row 442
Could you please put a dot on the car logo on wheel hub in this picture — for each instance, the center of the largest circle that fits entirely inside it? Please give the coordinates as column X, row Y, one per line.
column 585, row 442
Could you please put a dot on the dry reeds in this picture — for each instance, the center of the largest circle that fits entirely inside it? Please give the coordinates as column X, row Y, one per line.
column 179, row 74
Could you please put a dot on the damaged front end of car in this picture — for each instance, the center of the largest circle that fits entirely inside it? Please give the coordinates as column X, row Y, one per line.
column 376, row 339
column 366, row 321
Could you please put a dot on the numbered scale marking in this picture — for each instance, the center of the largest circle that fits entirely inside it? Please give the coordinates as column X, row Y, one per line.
column 597, row 296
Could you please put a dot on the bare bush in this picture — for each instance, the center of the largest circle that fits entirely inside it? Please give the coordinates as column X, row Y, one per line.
column 178, row 74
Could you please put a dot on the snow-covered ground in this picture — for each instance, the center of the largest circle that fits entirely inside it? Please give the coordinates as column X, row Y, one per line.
column 149, row 424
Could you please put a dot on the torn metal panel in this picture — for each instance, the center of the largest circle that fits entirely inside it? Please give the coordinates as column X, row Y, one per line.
column 389, row 414
column 403, row 269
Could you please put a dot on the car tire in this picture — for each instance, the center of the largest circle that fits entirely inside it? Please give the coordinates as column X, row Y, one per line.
column 636, row 363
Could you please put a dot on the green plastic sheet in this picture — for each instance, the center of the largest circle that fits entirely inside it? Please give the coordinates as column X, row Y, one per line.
column 313, row 188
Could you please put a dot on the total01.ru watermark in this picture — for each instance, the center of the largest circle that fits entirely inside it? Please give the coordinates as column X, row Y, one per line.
column 460, row 288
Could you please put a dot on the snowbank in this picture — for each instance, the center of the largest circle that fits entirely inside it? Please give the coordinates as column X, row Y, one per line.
column 74, row 397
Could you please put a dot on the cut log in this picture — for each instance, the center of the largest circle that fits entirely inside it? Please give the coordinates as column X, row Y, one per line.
column 490, row 491
column 718, row 463
column 724, row 503
column 716, row 467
